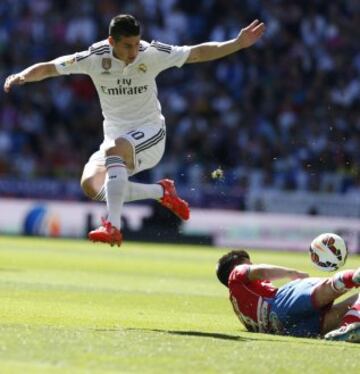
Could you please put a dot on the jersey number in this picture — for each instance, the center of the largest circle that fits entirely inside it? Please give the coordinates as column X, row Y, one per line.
column 137, row 135
column 248, row 322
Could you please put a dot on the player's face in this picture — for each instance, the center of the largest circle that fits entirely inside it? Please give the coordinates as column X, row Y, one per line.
column 126, row 48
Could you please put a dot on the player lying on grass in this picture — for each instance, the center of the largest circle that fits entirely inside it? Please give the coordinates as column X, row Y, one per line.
column 123, row 68
column 302, row 307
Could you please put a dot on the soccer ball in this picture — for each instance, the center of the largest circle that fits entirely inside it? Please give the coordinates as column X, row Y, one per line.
column 328, row 252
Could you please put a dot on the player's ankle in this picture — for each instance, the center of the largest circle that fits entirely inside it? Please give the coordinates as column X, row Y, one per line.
column 356, row 277
column 343, row 281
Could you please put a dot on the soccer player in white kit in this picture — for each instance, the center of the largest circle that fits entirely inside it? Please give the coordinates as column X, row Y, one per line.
column 123, row 69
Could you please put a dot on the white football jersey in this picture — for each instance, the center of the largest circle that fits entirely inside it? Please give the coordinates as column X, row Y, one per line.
column 128, row 94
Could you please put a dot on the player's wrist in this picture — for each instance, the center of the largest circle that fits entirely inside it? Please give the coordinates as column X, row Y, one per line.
column 21, row 78
column 239, row 42
column 293, row 273
column 18, row 78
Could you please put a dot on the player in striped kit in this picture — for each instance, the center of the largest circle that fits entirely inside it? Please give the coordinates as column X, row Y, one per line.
column 303, row 307
column 123, row 69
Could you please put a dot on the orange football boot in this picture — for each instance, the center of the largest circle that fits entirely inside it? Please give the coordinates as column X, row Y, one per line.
column 172, row 201
column 106, row 233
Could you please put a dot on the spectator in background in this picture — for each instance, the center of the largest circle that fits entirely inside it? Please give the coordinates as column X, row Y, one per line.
column 293, row 109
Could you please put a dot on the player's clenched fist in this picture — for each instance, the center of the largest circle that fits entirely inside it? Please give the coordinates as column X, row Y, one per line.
column 12, row 80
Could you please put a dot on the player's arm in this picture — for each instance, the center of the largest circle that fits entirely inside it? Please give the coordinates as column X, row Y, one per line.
column 272, row 272
column 214, row 50
column 33, row 73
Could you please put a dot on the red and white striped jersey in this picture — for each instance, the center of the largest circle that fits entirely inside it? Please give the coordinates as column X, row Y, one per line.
column 249, row 298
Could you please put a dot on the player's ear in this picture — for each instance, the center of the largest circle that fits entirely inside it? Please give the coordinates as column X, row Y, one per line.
column 111, row 40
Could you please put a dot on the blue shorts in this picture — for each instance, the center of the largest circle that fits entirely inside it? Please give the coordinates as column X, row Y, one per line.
column 293, row 312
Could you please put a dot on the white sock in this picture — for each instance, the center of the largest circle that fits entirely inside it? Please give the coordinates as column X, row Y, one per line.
column 115, row 182
column 101, row 195
column 136, row 191
column 342, row 281
column 141, row 191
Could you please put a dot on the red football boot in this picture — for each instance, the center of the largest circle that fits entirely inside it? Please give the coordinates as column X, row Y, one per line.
column 172, row 201
column 106, row 233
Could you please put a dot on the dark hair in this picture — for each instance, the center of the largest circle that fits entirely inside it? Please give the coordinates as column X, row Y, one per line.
column 227, row 263
column 124, row 25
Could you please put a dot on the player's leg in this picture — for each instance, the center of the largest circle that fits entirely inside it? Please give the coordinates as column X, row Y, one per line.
column 332, row 288
column 93, row 185
column 163, row 191
column 342, row 322
column 334, row 316
column 150, row 137
column 92, row 181
column 118, row 160
column 148, row 147
column 147, row 155
column 293, row 311
column 299, row 306
column 172, row 201
column 94, row 174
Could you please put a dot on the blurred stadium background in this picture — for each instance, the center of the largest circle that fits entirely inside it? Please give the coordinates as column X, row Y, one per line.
column 282, row 119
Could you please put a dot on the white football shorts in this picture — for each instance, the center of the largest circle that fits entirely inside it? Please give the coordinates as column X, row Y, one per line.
column 148, row 146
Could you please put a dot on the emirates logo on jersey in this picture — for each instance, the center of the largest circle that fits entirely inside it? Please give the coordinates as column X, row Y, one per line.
column 124, row 90
column 124, row 87
column 106, row 65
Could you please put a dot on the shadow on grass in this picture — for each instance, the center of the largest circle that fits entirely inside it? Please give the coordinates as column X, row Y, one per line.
column 202, row 334
column 186, row 333
column 257, row 337
column 214, row 335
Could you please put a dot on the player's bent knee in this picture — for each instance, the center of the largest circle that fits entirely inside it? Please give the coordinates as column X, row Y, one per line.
column 324, row 294
column 124, row 149
column 88, row 186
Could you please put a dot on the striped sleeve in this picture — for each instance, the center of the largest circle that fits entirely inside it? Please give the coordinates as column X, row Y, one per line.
column 167, row 56
column 80, row 62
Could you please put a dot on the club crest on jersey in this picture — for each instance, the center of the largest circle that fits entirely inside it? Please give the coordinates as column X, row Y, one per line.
column 106, row 65
column 142, row 68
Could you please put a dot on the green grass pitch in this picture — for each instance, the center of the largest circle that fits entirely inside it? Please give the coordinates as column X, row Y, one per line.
column 71, row 306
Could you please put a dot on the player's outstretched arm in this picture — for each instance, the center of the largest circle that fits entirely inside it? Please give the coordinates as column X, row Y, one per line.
column 214, row 50
column 272, row 272
column 33, row 73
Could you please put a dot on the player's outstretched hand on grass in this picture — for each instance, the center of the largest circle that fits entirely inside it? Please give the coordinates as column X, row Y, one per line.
column 12, row 80
column 250, row 34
